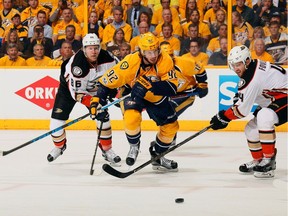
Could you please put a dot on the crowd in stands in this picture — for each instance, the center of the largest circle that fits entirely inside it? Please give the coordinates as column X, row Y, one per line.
column 46, row 32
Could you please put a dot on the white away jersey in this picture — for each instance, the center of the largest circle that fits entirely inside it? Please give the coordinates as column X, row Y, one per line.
column 81, row 77
column 261, row 84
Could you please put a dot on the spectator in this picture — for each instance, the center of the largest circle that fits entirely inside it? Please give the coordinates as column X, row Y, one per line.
column 167, row 17
column 114, row 45
column 41, row 20
column 94, row 25
column 97, row 7
column 210, row 15
column 12, row 37
column 191, row 5
column 193, row 34
column 196, row 54
column 108, row 13
column 125, row 49
column 39, row 38
column 134, row 12
column 70, row 31
column 275, row 17
column 12, row 58
column 65, row 53
column 56, row 15
column 246, row 12
column 259, row 51
column 157, row 17
column 214, row 43
column 118, row 22
column 59, row 29
column 174, row 42
column 143, row 17
column 143, row 28
column 29, row 14
column 156, row 4
column 39, row 59
column 21, row 30
column 2, row 34
column 257, row 33
column 264, row 11
column 277, row 43
column 204, row 30
column 49, row 4
column 220, row 19
column 219, row 57
column 7, row 13
column 20, row 5
column 242, row 31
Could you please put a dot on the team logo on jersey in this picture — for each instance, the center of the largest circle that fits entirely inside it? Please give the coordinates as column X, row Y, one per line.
column 241, row 83
column 77, row 71
column 124, row 65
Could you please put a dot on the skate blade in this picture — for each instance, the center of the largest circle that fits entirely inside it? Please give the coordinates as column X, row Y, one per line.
column 269, row 174
column 163, row 169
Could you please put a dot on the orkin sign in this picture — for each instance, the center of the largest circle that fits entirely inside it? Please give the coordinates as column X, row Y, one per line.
column 41, row 92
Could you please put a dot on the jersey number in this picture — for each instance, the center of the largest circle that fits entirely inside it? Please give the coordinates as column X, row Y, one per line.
column 112, row 76
column 75, row 84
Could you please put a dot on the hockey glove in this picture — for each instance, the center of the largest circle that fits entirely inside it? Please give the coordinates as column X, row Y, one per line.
column 202, row 89
column 140, row 88
column 85, row 100
column 93, row 107
column 102, row 115
column 219, row 121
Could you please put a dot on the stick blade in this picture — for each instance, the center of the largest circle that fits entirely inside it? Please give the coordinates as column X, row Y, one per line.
column 111, row 171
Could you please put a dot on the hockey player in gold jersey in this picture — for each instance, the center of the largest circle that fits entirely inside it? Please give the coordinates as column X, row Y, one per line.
column 186, row 71
column 150, row 75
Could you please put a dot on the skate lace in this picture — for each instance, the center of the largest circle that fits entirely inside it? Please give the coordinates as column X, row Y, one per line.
column 110, row 154
column 251, row 164
column 55, row 152
column 264, row 161
column 165, row 161
column 133, row 151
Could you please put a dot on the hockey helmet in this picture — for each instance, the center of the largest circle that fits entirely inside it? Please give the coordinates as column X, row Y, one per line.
column 238, row 54
column 90, row 39
column 147, row 42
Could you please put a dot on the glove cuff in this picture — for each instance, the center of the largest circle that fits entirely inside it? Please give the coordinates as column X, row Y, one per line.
column 222, row 118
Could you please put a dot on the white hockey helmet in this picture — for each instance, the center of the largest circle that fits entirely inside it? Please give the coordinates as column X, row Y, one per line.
column 90, row 39
column 238, row 54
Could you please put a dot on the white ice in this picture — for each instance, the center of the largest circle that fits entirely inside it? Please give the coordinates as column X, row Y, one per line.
column 208, row 179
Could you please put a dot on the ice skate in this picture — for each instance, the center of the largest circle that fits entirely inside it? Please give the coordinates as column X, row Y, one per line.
column 132, row 154
column 265, row 169
column 162, row 164
column 111, row 157
column 247, row 168
column 55, row 153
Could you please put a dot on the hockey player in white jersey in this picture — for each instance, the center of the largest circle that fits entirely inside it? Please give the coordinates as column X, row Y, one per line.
column 265, row 84
column 78, row 83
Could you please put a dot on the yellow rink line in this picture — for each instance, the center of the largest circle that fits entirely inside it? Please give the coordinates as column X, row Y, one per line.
column 15, row 124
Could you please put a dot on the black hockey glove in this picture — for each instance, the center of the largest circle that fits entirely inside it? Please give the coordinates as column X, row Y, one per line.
column 140, row 88
column 102, row 115
column 219, row 121
column 202, row 89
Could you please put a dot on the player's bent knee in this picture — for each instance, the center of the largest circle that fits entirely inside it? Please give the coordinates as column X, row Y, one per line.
column 132, row 119
column 266, row 118
column 167, row 132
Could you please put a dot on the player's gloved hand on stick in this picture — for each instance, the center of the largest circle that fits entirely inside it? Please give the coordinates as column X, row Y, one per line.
column 202, row 89
column 219, row 121
column 86, row 100
column 102, row 115
column 140, row 88
column 94, row 102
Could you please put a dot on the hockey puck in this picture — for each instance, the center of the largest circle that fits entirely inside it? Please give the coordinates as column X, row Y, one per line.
column 179, row 200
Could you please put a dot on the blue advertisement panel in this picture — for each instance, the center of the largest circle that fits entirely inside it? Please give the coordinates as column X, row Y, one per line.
column 227, row 89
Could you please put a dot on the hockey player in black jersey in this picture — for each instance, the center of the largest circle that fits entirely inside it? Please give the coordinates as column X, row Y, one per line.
column 78, row 83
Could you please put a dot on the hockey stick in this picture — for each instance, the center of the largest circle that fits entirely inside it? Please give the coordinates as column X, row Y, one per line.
column 194, row 93
column 95, row 152
column 3, row 153
column 110, row 170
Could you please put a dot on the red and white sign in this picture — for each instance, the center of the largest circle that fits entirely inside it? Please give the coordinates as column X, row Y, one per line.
column 42, row 92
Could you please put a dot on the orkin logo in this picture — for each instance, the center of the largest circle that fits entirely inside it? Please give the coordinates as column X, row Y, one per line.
column 41, row 92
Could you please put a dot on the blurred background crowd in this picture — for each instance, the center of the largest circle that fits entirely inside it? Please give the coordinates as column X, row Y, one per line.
column 46, row 32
